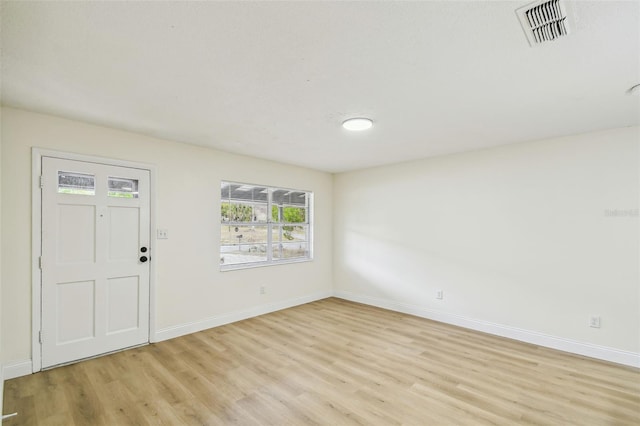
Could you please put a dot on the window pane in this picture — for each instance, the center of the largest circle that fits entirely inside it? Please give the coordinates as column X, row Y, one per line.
column 259, row 212
column 288, row 197
column 298, row 198
column 289, row 233
column 241, row 192
column 236, row 212
column 224, row 190
column 290, row 250
column 235, row 255
column 242, row 244
column 294, row 214
column 288, row 214
column 123, row 187
column 76, row 183
column 242, row 235
column 241, row 212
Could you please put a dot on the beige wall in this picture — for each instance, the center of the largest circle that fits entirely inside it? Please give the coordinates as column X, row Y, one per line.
column 516, row 236
column 190, row 288
column 1, row 357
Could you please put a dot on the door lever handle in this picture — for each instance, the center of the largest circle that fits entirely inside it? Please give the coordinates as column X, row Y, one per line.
column 143, row 259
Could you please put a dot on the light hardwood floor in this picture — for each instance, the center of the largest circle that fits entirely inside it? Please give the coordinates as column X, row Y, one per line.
column 331, row 362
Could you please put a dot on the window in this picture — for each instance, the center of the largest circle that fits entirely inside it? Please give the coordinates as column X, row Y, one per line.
column 261, row 225
column 123, row 187
column 85, row 184
column 76, row 183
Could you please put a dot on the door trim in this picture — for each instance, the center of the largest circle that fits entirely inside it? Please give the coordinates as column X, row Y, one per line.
column 36, row 240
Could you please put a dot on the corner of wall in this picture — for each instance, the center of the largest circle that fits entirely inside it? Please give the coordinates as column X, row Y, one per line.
column 227, row 318
column 1, row 359
column 1, row 392
column 17, row 369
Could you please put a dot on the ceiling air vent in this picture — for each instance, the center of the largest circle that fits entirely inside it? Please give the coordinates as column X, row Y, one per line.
column 544, row 21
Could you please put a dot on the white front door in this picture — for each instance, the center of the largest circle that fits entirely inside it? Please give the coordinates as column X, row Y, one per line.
column 95, row 259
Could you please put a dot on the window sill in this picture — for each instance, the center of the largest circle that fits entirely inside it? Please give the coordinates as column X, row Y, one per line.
column 237, row 267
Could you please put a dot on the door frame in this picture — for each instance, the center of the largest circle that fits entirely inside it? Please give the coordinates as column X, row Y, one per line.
column 36, row 240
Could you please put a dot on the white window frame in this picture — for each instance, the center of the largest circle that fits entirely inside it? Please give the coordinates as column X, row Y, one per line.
column 270, row 225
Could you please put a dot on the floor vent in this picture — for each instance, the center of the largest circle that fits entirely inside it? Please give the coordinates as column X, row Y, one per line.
column 544, row 21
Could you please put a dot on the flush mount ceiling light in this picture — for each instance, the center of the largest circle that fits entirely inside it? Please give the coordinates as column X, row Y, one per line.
column 357, row 124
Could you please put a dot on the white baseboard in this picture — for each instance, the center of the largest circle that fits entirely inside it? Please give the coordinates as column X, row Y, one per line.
column 540, row 339
column 17, row 369
column 193, row 327
column 22, row 368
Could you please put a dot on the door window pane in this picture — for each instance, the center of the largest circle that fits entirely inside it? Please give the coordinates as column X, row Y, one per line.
column 123, row 187
column 76, row 183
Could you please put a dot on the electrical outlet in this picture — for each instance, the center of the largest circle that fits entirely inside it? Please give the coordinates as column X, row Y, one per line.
column 162, row 234
column 263, row 289
column 440, row 294
column 594, row 322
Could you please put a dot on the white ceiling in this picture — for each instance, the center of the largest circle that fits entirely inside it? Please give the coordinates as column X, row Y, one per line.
column 276, row 79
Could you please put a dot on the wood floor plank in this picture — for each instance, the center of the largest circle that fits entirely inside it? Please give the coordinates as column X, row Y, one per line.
column 331, row 362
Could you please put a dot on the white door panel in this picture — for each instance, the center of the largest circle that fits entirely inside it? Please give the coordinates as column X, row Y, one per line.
column 76, row 300
column 76, row 247
column 123, row 300
column 95, row 283
column 122, row 245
